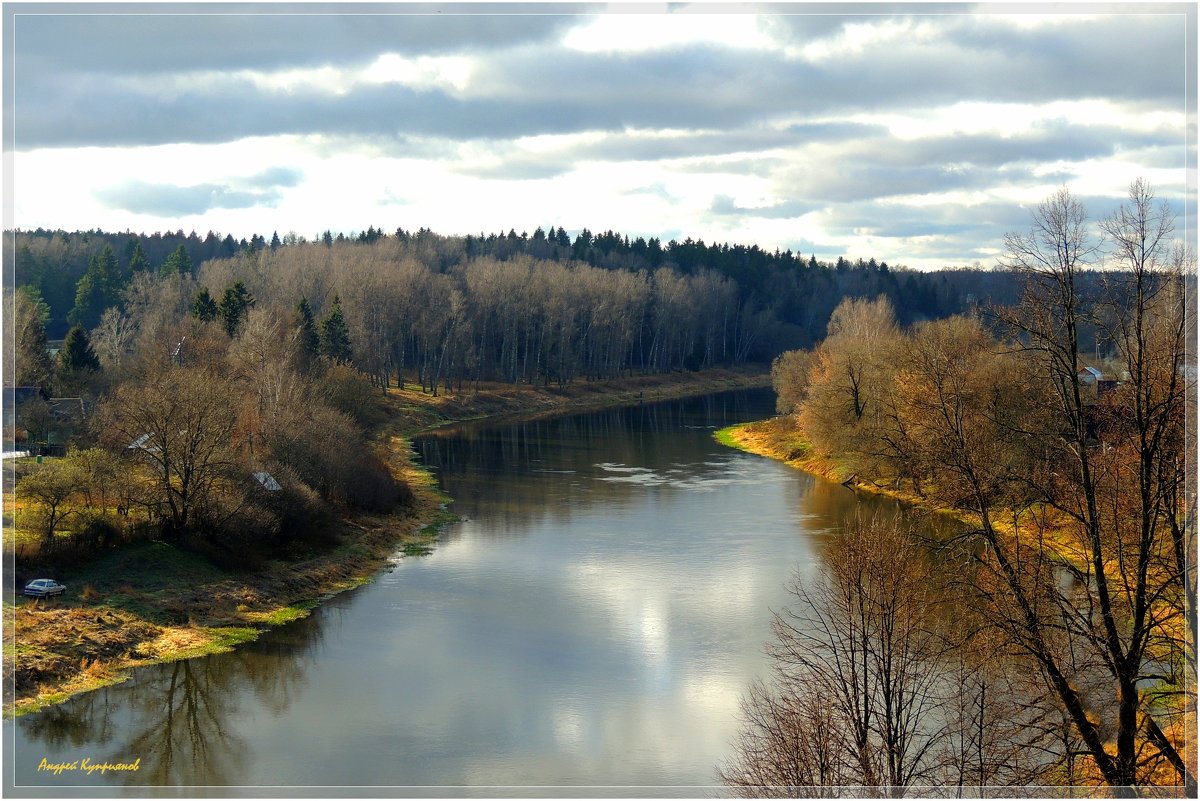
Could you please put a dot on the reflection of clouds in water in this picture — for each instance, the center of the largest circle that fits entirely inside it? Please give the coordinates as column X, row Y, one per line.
column 610, row 467
column 568, row 723
column 636, row 609
column 702, row 476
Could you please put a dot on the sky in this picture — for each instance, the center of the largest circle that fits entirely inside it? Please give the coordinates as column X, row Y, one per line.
column 914, row 134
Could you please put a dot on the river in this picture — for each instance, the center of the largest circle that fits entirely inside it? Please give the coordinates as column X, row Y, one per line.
column 588, row 627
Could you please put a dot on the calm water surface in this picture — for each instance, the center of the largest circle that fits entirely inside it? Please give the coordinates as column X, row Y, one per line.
column 590, row 623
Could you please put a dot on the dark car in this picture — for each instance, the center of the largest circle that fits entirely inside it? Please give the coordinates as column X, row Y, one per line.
column 41, row 588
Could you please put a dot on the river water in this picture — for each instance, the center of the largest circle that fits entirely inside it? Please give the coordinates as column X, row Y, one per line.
column 587, row 628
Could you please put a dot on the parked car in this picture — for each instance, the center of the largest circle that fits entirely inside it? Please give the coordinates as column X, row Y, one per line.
column 40, row 588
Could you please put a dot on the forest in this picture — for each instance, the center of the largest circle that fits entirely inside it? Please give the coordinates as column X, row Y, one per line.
column 767, row 302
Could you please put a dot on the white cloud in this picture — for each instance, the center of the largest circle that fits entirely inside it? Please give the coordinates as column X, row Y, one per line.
column 1013, row 119
column 856, row 38
column 423, row 72
column 622, row 31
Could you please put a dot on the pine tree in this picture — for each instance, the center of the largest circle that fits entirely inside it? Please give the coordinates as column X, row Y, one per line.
column 204, row 308
column 335, row 336
column 33, row 364
column 233, row 307
column 138, row 263
column 275, row 243
column 310, row 340
column 77, row 354
column 178, row 263
column 97, row 289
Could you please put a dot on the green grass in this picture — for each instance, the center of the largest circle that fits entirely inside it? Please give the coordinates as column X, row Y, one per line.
column 285, row 614
column 725, row 436
column 132, row 577
column 217, row 640
column 433, row 529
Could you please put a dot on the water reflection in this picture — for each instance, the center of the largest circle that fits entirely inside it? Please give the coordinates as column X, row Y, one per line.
column 180, row 719
column 591, row 622
column 612, row 446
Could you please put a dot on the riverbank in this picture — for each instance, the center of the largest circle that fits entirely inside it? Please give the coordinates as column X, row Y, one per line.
column 155, row 602
column 413, row 411
column 779, row 438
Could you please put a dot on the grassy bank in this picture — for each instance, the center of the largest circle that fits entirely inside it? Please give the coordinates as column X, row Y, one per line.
column 154, row 602
column 780, row 438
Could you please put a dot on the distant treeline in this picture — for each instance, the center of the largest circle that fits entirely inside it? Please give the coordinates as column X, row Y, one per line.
column 785, row 297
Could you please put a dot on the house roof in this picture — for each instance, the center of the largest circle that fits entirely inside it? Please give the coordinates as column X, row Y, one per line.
column 139, row 444
column 267, row 480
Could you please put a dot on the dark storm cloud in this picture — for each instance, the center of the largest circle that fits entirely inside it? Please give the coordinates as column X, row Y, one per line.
column 65, row 97
column 166, row 200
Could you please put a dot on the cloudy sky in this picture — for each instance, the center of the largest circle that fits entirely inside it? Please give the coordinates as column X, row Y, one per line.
column 914, row 133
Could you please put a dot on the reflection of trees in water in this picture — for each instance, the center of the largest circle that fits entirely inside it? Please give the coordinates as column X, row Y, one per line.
column 185, row 716
column 276, row 667
column 180, row 732
column 834, row 505
column 87, row 720
column 180, row 718
column 502, row 461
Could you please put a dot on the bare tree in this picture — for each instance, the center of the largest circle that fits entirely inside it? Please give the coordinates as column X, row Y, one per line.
column 862, row 641
column 113, row 336
column 1097, row 638
column 789, row 377
column 850, row 380
column 791, row 744
column 179, row 422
